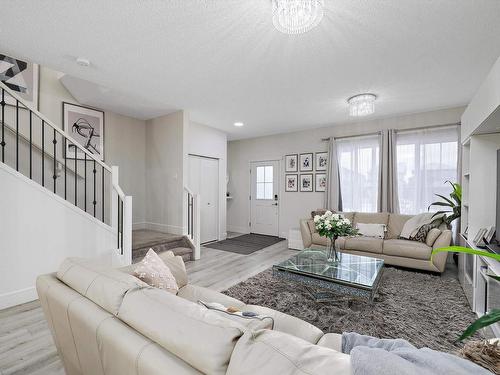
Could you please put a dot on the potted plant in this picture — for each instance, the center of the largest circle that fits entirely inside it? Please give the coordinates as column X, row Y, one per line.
column 333, row 226
column 454, row 204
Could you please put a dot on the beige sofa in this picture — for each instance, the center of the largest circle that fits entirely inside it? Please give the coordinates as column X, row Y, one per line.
column 107, row 322
column 391, row 249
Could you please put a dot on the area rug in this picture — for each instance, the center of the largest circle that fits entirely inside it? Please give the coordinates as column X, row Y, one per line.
column 245, row 244
column 425, row 309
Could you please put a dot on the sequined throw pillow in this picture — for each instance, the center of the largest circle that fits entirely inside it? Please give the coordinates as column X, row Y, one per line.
column 154, row 272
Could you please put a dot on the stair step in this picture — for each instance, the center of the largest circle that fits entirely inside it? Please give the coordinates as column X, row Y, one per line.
column 184, row 252
column 143, row 240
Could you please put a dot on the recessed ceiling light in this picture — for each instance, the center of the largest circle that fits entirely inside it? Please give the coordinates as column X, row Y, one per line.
column 239, row 124
column 362, row 104
column 82, row 61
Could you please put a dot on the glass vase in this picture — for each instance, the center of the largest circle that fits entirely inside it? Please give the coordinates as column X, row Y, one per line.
column 332, row 253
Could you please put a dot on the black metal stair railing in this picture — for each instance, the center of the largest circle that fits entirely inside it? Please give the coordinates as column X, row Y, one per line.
column 25, row 138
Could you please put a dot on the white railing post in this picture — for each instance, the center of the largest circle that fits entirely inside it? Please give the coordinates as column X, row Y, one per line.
column 114, row 198
column 127, row 230
column 196, row 225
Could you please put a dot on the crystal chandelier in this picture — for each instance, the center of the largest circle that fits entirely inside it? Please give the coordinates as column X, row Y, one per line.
column 361, row 105
column 297, row 16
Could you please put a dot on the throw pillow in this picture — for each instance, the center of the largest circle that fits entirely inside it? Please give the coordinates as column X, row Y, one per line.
column 423, row 231
column 248, row 319
column 371, row 230
column 153, row 271
column 432, row 236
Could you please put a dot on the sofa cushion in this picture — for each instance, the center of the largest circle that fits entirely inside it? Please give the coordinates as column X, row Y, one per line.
column 371, row 230
column 319, row 240
column 395, row 225
column 407, row 249
column 348, row 215
column 289, row 324
column 272, row 352
column 249, row 319
column 368, row 244
column 201, row 337
column 195, row 293
column 371, row 218
column 104, row 286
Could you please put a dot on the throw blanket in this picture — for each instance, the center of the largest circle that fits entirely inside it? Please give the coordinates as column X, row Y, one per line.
column 413, row 224
column 372, row 356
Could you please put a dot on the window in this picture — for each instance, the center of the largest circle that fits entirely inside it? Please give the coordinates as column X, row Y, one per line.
column 359, row 172
column 425, row 160
column 265, row 182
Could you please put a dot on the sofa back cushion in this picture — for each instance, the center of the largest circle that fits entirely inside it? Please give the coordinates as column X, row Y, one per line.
column 102, row 285
column 371, row 218
column 203, row 338
column 395, row 225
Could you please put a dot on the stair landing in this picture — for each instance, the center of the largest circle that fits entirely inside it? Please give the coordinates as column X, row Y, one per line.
column 143, row 240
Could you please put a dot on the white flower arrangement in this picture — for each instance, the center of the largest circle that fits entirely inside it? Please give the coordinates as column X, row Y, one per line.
column 332, row 225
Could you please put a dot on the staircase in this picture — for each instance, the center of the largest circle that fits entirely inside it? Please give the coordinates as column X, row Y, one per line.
column 34, row 147
column 143, row 240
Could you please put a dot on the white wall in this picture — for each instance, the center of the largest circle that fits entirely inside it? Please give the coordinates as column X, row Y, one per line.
column 39, row 230
column 166, row 157
column 294, row 206
column 206, row 141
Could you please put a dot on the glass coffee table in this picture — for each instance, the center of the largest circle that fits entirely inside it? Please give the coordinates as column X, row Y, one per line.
column 352, row 275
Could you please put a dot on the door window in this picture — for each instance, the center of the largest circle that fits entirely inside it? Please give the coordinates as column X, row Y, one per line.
column 264, row 182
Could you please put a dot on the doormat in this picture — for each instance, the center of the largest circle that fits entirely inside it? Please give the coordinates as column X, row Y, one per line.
column 245, row 244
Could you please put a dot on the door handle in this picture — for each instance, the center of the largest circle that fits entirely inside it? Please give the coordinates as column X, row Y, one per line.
column 275, row 204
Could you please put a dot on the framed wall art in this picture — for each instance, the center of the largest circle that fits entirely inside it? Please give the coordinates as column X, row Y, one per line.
column 20, row 76
column 306, row 183
column 291, row 183
column 320, row 183
column 306, row 162
column 86, row 126
column 291, row 163
column 321, row 161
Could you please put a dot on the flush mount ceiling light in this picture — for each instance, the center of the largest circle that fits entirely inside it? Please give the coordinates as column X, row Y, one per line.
column 361, row 105
column 238, row 124
column 83, row 61
column 297, row 16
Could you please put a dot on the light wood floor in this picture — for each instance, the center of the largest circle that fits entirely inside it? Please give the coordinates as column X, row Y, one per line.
column 26, row 346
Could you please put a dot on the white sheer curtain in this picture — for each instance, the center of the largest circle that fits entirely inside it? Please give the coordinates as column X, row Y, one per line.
column 425, row 160
column 358, row 159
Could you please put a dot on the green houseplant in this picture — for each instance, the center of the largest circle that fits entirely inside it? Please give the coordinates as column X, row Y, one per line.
column 494, row 315
column 453, row 204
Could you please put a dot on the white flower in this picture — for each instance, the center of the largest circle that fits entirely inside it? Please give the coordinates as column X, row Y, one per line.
column 317, row 218
column 328, row 213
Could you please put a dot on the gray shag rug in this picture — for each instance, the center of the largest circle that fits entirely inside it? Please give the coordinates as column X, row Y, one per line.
column 425, row 309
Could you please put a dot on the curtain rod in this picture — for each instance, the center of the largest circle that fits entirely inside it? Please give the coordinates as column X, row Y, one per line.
column 397, row 130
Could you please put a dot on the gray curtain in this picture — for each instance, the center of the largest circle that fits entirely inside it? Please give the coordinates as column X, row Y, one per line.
column 333, row 198
column 388, row 183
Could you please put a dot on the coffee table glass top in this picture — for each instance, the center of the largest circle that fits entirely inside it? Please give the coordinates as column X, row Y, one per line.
column 351, row 269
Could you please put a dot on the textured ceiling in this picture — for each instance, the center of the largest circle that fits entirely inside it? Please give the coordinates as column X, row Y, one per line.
column 223, row 61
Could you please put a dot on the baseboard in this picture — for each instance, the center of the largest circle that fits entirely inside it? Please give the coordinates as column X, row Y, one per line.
column 140, row 225
column 17, row 297
column 236, row 229
column 172, row 229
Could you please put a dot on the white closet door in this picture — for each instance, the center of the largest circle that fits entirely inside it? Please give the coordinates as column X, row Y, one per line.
column 204, row 180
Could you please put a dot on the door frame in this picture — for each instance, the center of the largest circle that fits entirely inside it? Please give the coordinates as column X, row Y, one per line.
column 218, row 192
column 279, row 161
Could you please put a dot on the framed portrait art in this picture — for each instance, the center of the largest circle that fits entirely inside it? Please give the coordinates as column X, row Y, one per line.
column 291, row 183
column 306, row 183
column 86, row 127
column 321, row 161
column 21, row 77
column 306, row 162
column 320, row 184
column 291, row 163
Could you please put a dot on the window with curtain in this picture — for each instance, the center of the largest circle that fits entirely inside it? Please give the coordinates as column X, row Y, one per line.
column 358, row 159
column 425, row 160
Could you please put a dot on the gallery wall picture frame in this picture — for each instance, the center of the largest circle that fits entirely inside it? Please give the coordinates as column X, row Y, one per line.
column 292, row 163
column 86, row 126
column 306, row 161
column 306, row 183
column 22, row 77
column 291, row 183
column 320, row 182
column 321, row 161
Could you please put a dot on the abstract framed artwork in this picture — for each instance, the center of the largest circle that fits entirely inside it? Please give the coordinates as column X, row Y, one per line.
column 306, row 162
column 291, row 183
column 21, row 77
column 321, row 161
column 320, row 183
column 306, row 183
column 291, row 163
column 86, row 127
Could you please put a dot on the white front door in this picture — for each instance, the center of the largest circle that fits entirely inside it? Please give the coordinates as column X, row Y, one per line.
column 204, row 180
column 264, row 197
